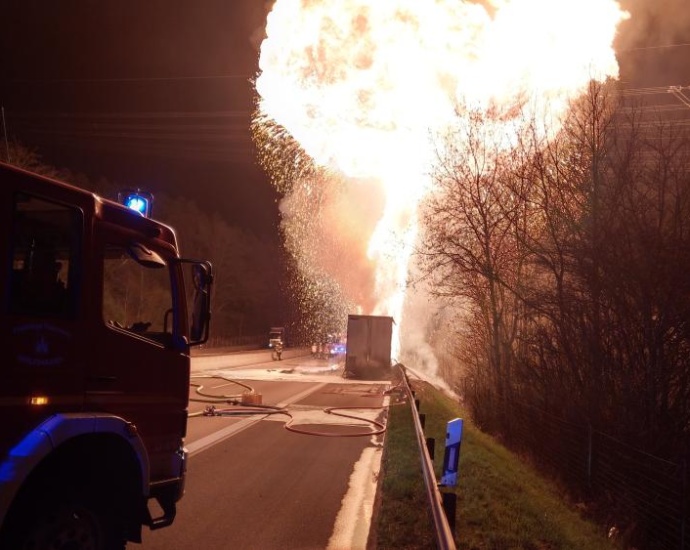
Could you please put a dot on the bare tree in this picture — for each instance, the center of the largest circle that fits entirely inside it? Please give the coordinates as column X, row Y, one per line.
column 570, row 258
column 470, row 248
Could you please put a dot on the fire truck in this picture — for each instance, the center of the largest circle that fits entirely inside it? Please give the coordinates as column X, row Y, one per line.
column 275, row 336
column 98, row 315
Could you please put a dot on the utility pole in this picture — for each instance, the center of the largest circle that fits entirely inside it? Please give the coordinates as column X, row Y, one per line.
column 4, row 131
column 678, row 92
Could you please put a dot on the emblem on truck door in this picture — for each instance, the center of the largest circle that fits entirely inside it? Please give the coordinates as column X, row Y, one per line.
column 40, row 344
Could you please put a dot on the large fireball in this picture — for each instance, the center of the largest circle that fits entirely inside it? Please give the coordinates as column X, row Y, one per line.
column 365, row 86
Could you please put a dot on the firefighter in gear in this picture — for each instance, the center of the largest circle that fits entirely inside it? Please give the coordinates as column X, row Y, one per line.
column 278, row 351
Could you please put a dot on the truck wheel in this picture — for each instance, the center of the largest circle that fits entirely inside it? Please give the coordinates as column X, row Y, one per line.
column 64, row 522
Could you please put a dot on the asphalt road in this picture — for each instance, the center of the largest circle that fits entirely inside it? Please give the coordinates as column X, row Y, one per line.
column 253, row 484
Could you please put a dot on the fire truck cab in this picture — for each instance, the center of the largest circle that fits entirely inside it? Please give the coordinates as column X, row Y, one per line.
column 97, row 316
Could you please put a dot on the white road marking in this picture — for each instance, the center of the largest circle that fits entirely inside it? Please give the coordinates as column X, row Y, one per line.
column 351, row 529
column 352, row 525
column 216, row 437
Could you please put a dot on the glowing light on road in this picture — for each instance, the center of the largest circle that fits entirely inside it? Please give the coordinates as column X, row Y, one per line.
column 365, row 87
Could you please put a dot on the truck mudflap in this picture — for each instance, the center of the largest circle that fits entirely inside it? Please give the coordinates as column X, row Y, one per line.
column 166, row 493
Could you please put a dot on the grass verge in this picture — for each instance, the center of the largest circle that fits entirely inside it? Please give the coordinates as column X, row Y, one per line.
column 502, row 503
column 402, row 521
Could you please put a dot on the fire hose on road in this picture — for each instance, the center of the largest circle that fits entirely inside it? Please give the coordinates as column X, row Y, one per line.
column 242, row 405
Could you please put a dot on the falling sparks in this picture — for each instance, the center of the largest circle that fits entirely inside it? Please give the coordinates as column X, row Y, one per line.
column 363, row 87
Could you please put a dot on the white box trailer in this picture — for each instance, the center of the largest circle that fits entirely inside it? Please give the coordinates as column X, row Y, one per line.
column 368, row 354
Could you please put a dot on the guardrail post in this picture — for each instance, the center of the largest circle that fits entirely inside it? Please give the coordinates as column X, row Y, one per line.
column 449, row 506
column 431, row 446
column 422, row 420
column 684, row 496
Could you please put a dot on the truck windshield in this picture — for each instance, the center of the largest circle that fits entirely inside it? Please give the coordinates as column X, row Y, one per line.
column 136, row 295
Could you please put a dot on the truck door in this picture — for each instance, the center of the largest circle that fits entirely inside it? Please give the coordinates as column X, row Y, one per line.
column 44, row 370
column 141, row 370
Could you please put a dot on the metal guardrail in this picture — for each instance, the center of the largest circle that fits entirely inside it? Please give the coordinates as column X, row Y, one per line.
column 444, row 535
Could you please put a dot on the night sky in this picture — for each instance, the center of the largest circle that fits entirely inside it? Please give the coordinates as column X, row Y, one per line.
column 157, row 93
column 154, row 94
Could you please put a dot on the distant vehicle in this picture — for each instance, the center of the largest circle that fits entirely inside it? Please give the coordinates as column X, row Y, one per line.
column 368, row 351
column 277, row 335
column 333, row 345
column 339, row 348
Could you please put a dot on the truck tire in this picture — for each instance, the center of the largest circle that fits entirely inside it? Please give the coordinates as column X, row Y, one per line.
column 58, row 520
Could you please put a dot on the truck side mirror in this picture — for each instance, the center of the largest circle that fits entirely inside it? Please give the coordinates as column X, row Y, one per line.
column 199, row 301
column 201, row 309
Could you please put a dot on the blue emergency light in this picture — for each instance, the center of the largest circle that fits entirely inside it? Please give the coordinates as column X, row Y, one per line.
column 139, row 201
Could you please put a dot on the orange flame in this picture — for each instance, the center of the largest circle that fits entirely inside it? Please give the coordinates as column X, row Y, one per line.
column 364, row 86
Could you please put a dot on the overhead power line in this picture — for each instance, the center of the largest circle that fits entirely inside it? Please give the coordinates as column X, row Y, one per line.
column 677, row 91
column 658, row 47
column 128, row 79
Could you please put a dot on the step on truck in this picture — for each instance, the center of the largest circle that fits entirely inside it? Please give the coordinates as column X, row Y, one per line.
column 98, row 312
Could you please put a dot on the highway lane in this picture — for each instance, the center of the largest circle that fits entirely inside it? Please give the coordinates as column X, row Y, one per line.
column 252, row 484
column 209, row 359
